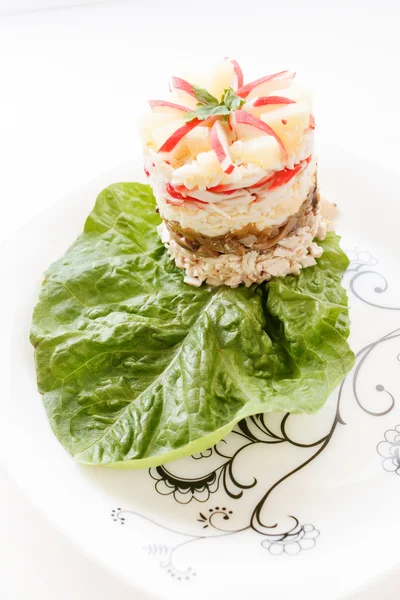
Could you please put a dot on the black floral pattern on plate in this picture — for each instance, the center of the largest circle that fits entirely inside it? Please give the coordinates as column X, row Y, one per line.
column 300, row 537
column 278, row 540
column 184, row 490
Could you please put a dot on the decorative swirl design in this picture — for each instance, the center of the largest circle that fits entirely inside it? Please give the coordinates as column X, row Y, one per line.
column 364, row 353
column 286, row 438
column 254, row 430
column 377, row 289
column 362, row 260
column 171, row 568
column 256, row 522
column 277, row 538
column 166, row 553
column 216, row 514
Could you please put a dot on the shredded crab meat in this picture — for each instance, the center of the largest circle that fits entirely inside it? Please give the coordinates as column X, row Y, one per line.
column 262, row 207
column 288, row 257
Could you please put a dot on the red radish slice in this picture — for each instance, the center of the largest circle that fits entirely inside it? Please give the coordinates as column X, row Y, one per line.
column 175, row 195
column 245, row 90
column 256, row 106
column 219, row 188
column 206, row 197
column 262, row 181
column 285, row 176
column 235, row 187
column 202, row 193
column 238, row 73
column 181, row 188
column 312, row 122
column 282, row 177
column 178, row 196
column 173, row 203
column 264, row 100
column 201, row 196
column 220, row 145
column 176, row 137
column 181, row 84
column 276, row 179
column 173, row 192
column 222, row 189
column 154, row 104
column 146, row 172
column 248, row 119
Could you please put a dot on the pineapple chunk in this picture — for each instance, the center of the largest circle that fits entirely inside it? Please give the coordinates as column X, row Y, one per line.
column 245, row 131
column 263, row 151
column 201, row 173
column 294, row 93
column 289, row 123
column 150, row 122
column 210, row 168
column 198, row 140
column 222, row 77
column 189, row 175
column 161, row 134
column 209, row 162
column 182, row 98
column 195, row 141
column 179, row 155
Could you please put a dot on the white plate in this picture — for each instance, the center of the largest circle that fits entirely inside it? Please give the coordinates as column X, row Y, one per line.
column 301, row 506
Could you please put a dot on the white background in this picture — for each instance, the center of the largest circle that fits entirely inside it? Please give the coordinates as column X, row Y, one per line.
column 71, row 83
column 9, row 7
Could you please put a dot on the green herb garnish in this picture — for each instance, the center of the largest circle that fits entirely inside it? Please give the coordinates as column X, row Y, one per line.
column 209, row 106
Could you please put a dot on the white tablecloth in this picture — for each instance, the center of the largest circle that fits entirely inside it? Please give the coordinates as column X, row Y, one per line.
column 71, row 83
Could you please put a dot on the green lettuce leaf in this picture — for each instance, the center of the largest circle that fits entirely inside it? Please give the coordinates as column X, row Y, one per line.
column 137, row 368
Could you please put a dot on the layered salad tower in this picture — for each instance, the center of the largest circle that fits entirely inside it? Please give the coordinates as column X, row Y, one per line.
column 234, row 174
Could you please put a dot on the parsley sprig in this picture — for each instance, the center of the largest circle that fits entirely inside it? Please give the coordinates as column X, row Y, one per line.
column 208, row 105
